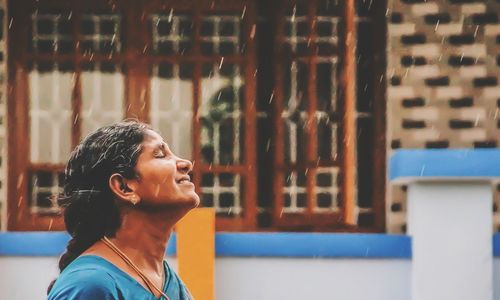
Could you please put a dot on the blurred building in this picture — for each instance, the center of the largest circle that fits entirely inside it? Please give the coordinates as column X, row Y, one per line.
column 288, row 108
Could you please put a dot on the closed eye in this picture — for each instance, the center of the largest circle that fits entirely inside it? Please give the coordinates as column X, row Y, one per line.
column 160, row 154
column 162, row 151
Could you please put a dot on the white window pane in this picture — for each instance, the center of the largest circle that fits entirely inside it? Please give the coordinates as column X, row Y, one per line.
column 65, row 90
column 102, row 99
column 44, row 145
column 50, row 116
column 64, row 143
column 44, row 98
column 89, row 91
column 171, row 108
column 112, row 91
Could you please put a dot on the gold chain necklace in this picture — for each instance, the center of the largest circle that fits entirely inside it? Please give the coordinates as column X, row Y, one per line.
column 151, row 286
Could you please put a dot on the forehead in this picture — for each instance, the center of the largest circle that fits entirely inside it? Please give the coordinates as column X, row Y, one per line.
column 152, row 139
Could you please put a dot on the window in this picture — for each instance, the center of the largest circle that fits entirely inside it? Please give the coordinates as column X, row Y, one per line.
column 255, row 93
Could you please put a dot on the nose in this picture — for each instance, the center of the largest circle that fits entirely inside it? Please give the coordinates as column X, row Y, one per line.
column 185, row 166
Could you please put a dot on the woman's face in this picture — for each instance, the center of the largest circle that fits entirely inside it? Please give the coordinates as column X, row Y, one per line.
column 163, row 177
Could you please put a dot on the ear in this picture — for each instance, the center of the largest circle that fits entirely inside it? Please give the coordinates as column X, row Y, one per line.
column 124, row 189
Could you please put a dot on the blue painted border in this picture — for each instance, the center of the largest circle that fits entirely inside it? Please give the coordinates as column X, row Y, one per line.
column 445, row 163
column 314, row 245
column 496, row 245
column 241, row 245
column 44, row 243
column 355, row 245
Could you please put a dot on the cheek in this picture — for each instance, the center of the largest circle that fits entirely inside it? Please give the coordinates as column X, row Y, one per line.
column 159, row 173
column 157, row 179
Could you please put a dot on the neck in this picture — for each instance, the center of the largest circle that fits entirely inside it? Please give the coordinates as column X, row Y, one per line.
column 143, row 236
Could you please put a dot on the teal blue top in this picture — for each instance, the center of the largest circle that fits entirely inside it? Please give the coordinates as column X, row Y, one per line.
column 93, row 277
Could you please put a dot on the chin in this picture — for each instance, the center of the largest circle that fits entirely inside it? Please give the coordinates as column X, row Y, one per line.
column 195, row 200
column 190, row 201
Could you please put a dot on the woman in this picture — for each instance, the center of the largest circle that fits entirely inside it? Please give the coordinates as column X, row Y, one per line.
column 124, row 192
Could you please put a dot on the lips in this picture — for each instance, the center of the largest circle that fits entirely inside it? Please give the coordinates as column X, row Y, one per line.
column 184, row 179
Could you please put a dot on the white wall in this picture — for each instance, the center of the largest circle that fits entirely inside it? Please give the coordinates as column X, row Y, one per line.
column 318, row 279
column 496, row 278
column 256, row 278
column 249, row 278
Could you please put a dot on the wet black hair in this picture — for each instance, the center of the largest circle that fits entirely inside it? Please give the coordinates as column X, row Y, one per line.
column 90, row 208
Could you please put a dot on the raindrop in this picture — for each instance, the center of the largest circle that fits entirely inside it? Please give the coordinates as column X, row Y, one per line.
column 437, row 25
column 221, row 62
column 50, row 223
column 20, row 179
column 271, row 98
column 10, row 23
column 252, row 32
column 244, row 11
column 170, row 15
column 392, row 72
column 293, row 13
column 422, row 170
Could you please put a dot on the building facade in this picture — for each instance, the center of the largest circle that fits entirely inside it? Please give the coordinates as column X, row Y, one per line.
column 289, row 109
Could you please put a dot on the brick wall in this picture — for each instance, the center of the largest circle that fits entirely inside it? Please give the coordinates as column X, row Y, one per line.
column 443, row 82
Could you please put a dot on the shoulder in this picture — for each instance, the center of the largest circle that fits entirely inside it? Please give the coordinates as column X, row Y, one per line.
column 84, row 281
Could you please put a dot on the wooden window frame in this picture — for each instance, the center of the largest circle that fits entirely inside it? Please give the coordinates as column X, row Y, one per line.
column 345, row 218
column 137, row 80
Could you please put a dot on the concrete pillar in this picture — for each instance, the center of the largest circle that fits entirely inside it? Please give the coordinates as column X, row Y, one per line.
column 451, row 225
